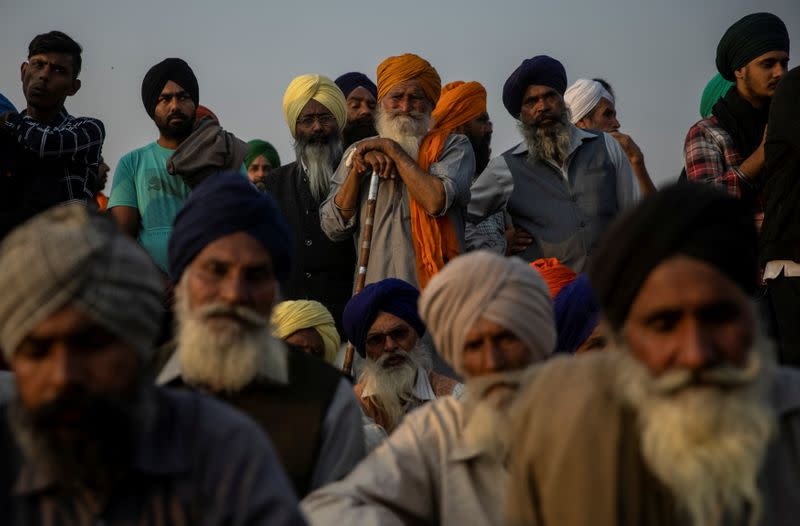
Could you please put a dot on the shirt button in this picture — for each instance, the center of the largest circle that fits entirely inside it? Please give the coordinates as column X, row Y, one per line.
column 308, row 242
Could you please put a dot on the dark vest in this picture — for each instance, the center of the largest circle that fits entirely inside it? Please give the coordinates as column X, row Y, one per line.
column 292, row 414
column 322, row 270
column 565, row 216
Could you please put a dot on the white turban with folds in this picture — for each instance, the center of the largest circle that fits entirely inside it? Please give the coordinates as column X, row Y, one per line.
column 583, row 96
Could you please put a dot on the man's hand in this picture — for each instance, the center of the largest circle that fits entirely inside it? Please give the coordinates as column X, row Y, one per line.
column 520, row 241
column 630, row 148
column 374, row 161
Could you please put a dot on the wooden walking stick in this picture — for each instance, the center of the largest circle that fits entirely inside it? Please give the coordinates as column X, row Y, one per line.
column 363, row 258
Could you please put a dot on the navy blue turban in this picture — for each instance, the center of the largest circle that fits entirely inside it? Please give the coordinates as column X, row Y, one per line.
column 174, row 69
column 540, row 70
column 350, row 81
column 749, row 38
column 577, row 314
column 391, row 295
column 223, row 204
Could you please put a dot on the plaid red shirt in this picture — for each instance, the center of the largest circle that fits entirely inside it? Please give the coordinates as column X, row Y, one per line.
column 711, row 157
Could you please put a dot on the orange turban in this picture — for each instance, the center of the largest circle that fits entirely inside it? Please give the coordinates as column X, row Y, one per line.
column 403, row 68
column 555, row 274
column 459, row 103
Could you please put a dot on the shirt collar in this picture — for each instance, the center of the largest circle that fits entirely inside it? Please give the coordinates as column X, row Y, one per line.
column 462, row 450
column 60, row 119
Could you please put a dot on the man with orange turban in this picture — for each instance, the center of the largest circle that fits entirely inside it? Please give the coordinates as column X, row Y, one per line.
column 426, row 170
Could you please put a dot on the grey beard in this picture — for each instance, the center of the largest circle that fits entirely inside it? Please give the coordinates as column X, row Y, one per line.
column 407, row 130
column 548, row 144
column 706, row 444
column 223, row 354
column 320, row 162
column 392, row 389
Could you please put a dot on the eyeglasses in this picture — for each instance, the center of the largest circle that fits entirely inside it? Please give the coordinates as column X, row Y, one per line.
column 378, row 339
column 324, row 119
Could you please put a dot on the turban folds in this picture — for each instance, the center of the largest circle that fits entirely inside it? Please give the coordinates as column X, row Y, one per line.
column 391, row 295
column 350, row 81
column 540, row 70
column 749, row 38
column 174, row 69
column 223, row 204
column 66, row 255
column 259, row 147
column 716, row 88
column 583, row 96
column 577, row 314
column 555, row 274
column 506, row 291
column 685, row 219
column 459, row 103
column 402, row 68
column 318, row 87
column 288, row 317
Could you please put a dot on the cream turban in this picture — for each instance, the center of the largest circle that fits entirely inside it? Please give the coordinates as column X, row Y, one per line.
column 583, row 96
column 68, row 255
column 288, row 317
column 509, row 292
column 318, row 87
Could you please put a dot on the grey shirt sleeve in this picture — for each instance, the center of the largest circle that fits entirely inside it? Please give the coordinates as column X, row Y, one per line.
column 628, row 193
column 490, row 191
column 454, row 168
column 343, row 444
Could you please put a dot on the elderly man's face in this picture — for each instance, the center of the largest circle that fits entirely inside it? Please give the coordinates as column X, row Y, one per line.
column 316, row 124
column 688, row 315
column 603, row 117
column 234, row 270
column 67, row 362
column 541, row 107
column 492, row 348
column 405, row 98
column 389, row 334
column 307, row 340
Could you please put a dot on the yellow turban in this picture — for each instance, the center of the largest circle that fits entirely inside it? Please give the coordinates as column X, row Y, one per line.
column 318, row 87
column 403, row 68
column 288, row 317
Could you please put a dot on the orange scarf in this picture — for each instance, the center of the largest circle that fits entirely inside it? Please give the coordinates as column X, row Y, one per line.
column 434, row 238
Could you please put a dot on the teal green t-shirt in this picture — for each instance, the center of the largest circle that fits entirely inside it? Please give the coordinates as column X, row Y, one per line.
column 141, row 181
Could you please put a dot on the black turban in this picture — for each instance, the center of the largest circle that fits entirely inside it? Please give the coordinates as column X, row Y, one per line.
column 540, row 70
column 174, row 69
column 350, row 81
column 749, row 38
column 223, row 204
column 687, row 219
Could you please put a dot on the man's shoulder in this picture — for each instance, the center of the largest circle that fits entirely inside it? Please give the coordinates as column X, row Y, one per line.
column 143, row 152
column 281, row 177
column 442, row 416
column 709, row 127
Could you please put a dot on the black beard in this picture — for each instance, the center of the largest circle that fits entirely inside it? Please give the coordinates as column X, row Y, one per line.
column 358, row 130
column 482, row 149
column 177, row 131
column 102, row 448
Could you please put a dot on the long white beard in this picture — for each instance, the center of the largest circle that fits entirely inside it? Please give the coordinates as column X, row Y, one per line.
column 392, row 388
column 406, row 130
column 221, row 353
column 706, row 444
column 320, row 162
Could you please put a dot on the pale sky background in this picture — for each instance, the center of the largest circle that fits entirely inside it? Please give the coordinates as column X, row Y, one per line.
column 657, row 55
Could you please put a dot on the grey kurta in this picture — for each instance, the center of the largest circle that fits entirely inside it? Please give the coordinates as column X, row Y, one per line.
column 424, row 473
column 392, row 254
column 566, row 209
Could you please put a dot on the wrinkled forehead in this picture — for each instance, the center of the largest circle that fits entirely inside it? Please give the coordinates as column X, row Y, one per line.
column 235, row 249
column 407, row 88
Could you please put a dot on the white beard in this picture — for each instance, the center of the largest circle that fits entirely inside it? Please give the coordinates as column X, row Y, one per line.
column 548, row 144
column 706, row 444
column 221, row 353
column 406, row 130
column 392, row 388
column 319, row 161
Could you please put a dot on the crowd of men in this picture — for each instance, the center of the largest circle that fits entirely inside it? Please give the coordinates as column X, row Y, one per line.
column 542, row 337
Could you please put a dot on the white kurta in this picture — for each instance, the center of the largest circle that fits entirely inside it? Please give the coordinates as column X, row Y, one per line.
column 423, row 473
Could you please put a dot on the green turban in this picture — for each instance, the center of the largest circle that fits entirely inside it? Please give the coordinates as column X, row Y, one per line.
column 716, row 88
column 749, row 38
column 259, row 147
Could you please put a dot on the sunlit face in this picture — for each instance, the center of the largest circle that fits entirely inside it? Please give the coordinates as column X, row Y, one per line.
column 175, row 111
column 602, row 118
column 688, row 315
column 388, row 334
column 541, row 106
column 492, row 348
column 406, row 97
column 759, row 78
column 360, row 105
column 48, row 79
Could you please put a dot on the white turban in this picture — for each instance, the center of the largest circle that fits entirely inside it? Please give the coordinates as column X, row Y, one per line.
column 583, row 96
column 509, row 292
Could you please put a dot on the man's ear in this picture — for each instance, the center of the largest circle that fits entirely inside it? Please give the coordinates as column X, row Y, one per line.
column 76, row 85
column 22, row 69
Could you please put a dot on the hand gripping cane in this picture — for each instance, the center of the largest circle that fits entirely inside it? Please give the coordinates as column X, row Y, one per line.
column 363, row 258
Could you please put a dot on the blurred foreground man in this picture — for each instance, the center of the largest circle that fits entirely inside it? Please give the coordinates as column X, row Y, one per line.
column 227, row 254
column 89, row 440
column 445, row 463
column 687, row 421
